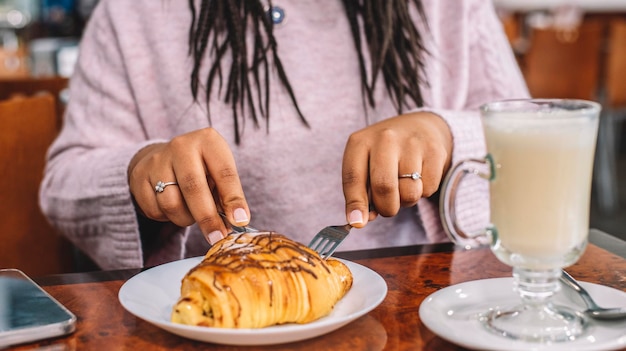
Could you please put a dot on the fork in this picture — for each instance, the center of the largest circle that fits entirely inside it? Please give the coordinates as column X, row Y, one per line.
column 328, row 239
column 325, row 242
column 237, row 229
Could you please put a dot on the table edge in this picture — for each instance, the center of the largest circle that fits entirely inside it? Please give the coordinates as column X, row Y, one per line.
column 596, row 237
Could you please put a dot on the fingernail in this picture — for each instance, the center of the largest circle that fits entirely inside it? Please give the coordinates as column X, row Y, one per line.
column 356, row 217
column 240, row 215
column 214, row 237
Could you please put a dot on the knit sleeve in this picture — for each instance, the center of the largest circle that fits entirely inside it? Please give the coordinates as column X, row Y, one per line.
column 85, row 192
column 477, row 66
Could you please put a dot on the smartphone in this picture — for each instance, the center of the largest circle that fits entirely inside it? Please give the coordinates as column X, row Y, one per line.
column 28, row 313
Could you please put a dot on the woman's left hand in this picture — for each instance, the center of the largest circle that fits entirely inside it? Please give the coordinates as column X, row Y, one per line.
column 377, row 155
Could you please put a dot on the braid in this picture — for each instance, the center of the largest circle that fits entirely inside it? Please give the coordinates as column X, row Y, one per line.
column 394, row 46
column 224, row 25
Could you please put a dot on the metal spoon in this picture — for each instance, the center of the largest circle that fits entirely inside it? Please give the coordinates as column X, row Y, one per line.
column 593, row 310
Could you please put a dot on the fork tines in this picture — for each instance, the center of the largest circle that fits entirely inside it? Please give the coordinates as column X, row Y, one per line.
column 328, row 239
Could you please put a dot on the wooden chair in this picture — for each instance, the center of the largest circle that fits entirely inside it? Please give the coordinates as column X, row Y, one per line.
column 13, row 62
column 27, row 241
column 15, row 86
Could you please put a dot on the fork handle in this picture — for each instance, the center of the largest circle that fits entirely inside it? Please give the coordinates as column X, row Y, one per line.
column 237, row 229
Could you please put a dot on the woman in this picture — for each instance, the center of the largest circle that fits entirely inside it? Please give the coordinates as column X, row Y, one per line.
column 181, row 111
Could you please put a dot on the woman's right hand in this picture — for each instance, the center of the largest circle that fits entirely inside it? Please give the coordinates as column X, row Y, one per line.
column 202, row 165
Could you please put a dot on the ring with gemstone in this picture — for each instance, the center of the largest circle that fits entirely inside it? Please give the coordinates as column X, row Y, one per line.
column 414, row 175
column 160, row 186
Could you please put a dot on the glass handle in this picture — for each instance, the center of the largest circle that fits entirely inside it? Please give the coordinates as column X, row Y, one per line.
column 447, row 201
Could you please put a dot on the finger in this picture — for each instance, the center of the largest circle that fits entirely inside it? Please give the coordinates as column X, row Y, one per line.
column 163, row 205
column 142, row 188
column 410, row 189
column 224, row 178
column 190, row 169
column 171, row 203
column 355, row 174
column 433, row 170
column 144, row 199
column 384, row 161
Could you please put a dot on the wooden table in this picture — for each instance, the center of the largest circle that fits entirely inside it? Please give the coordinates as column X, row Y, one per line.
column 411, row 273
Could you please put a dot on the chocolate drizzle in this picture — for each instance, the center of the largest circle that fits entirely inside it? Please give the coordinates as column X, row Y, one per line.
column 263, row 250
column 245, row 270
column 251, row 250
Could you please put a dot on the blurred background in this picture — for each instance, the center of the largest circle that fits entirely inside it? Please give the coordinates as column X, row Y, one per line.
column 567, row 49
column 40, row 37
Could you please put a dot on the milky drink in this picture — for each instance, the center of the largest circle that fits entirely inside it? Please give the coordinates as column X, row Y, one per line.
column 540, row 194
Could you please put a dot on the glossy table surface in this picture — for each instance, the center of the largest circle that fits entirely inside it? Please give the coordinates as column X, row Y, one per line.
column 411, row 274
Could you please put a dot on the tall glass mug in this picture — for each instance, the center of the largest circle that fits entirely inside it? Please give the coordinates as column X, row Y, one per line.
column 539, row 165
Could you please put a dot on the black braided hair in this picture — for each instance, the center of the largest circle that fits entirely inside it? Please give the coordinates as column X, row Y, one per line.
column 394, row 45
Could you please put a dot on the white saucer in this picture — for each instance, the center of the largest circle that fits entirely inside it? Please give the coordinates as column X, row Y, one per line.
column 452, row 313
column 151, row 294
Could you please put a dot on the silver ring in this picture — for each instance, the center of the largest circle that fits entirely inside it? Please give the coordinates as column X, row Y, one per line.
column 414, row 175
column 160, row 186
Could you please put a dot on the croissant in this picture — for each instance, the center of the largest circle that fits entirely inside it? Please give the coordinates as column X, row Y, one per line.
column 255, row 280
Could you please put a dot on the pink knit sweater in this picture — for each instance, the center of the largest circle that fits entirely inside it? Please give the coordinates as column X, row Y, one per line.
column 131, row 88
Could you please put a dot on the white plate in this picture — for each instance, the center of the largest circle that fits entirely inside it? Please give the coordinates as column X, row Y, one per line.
column 150, row 295
column 452, row 313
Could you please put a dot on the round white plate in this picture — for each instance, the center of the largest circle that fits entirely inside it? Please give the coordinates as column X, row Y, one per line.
column 151, row 294
column 453, row 312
